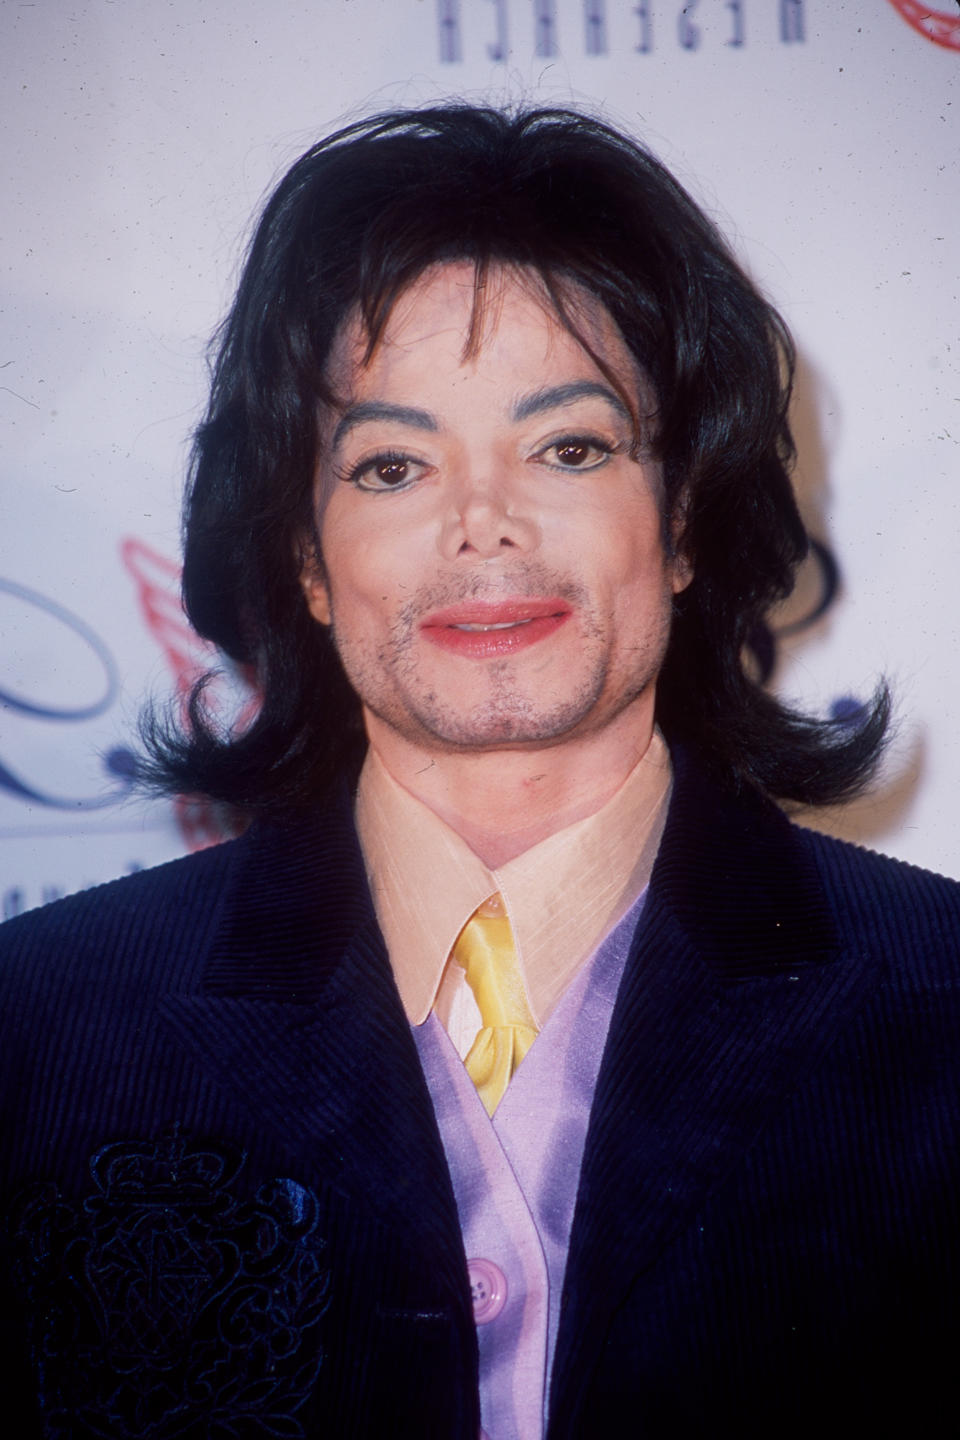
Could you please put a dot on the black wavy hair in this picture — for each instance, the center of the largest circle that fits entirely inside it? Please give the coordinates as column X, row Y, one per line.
column 358, row 218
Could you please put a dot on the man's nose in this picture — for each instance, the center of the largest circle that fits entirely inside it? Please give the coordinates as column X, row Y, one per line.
column 486, row 515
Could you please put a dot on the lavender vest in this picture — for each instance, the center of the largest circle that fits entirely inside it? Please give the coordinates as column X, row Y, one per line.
column 515, row 1180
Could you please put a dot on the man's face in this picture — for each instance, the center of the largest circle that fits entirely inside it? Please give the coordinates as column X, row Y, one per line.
column 493, row 561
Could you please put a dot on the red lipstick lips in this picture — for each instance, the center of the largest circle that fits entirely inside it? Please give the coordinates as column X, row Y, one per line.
column 484, row 629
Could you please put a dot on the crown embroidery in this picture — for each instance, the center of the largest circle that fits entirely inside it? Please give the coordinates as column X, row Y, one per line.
column 165, row 1306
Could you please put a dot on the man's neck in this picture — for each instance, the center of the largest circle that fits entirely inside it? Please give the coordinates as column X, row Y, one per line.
column 502, row 802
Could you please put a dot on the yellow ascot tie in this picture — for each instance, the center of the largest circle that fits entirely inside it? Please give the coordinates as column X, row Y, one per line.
column 486, row 950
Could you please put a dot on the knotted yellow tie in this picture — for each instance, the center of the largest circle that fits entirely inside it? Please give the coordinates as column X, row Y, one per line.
column 486, row 950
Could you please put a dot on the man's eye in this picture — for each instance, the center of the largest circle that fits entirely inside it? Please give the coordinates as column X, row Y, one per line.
column 576, row 452
column 386, row 472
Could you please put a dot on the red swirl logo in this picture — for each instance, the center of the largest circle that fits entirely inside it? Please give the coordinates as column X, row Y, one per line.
column 934, row 24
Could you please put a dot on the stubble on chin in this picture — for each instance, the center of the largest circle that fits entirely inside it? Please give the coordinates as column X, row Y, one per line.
column 517, row 705
column 392, row 685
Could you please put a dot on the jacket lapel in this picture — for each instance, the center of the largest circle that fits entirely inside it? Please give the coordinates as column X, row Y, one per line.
column 735, row 987
column 298, row 1013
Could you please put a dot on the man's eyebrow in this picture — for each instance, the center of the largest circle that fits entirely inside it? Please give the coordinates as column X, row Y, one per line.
column 366, row 410
column 553, row 397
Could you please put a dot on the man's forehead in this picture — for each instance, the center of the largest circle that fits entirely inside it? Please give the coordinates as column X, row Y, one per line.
column 468, row 303
column 463, row 304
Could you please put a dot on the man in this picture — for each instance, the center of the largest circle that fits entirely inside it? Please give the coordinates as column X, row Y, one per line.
column 521, row 1066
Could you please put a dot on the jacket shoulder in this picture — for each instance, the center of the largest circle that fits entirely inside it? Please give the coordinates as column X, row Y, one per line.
column 898, row 909
column 165, row 911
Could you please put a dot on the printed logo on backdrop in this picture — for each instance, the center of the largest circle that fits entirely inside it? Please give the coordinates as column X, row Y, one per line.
column 550, row 28
column 93, row 687
column 938, row 26
column 67, row 655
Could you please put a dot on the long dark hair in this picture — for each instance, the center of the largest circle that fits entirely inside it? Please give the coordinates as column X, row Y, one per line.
column 352, row 224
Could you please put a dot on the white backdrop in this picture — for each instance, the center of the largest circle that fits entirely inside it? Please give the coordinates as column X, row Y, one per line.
column 139, row 138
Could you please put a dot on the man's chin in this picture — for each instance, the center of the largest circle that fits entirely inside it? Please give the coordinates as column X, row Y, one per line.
column 491, row 728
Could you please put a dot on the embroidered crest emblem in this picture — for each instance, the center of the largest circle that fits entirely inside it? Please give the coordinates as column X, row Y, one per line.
column 165, row 1306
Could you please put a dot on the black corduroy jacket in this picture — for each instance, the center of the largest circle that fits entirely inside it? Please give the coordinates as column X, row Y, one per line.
column 227, row 1210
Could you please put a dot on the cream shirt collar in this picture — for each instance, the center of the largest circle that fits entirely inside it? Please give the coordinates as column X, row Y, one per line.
column 562, row 895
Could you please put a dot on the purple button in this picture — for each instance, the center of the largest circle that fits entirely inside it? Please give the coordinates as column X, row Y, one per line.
column 488, row 1290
